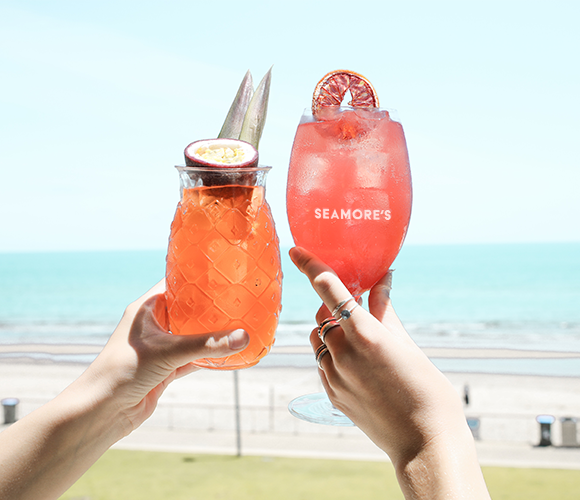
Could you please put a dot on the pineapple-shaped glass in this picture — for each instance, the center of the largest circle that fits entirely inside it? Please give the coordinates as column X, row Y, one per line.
column 223, row 262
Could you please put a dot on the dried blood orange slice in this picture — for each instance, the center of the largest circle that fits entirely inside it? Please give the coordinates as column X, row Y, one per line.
column 330, row 91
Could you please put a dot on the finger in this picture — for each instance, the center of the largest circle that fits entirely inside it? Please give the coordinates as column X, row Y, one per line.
column 314, row 340
column 323, row 279
column 182, row 349
column 156, row 289
column 133, row 308
column 186, row 348
column 322, row 313
column 329, row 331
column 321, row 353
column 381, row 307
column 184, row 370
column 327, row 372
column 332, row 335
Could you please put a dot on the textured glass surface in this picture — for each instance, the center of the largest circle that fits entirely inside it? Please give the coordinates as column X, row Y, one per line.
column 223, row 262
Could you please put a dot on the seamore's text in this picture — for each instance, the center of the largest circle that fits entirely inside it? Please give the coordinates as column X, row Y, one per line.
column 356, row 214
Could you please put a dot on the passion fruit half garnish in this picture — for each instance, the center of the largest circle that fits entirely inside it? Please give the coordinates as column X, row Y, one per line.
column 228, row 153
column 237, row 143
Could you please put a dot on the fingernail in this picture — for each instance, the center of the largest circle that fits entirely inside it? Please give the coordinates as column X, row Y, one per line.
column 389, row 282
column 238, row 339
column 386, row 284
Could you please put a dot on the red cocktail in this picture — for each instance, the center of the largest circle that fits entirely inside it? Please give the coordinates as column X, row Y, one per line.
column 349, row 191
column 349, row 195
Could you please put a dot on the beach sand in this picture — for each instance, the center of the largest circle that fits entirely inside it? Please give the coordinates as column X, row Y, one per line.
column 197, row 412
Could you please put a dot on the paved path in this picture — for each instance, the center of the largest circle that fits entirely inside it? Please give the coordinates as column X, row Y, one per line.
column 351, row 446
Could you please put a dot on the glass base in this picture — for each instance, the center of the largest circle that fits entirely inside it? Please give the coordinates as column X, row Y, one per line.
column 318, row 409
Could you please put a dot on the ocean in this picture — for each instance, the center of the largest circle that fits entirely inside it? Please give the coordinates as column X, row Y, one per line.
column 513, row 296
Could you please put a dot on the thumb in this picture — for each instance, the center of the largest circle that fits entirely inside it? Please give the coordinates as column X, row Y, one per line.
column 381, row 307
column 225, row 343
column 380, row 297
column 187, row 348
column 149, row 337
column 218, row 344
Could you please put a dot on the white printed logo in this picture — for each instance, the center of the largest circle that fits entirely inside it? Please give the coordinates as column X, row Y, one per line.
column 356, row 214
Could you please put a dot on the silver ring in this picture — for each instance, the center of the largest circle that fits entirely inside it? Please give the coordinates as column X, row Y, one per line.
column 341, row 304
column 320, row 352
column 325, row 322
column 347, row 313
column 326, row 328
column 320, row 348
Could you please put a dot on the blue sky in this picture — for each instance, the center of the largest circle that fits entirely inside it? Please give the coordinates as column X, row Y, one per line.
column 99, row 99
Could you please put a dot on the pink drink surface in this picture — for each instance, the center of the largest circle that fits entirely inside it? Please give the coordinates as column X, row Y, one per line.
column 223, row 269
column 349, row 192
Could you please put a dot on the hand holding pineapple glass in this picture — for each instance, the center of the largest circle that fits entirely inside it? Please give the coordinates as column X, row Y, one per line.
column 223, row 261
column 348, row 198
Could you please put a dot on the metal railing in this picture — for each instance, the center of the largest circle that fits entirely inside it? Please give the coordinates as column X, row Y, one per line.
column 275, row 419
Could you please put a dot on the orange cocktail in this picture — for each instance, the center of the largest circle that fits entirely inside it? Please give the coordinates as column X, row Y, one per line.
column 223, row 263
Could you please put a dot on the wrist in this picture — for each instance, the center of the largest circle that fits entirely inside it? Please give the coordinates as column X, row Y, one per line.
column 444, row 468
column 94, row 401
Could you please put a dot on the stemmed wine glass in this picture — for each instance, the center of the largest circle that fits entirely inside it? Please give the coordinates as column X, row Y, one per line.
column 349, row 195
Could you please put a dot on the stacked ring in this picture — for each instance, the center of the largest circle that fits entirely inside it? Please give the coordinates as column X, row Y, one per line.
column 325, row 325
column 325, row 322
column 320, row 352
column 342, row 303
column 346, row 313
column 326, row 328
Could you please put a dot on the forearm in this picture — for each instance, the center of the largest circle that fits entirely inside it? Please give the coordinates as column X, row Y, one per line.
column 44, row 453
column 447, row 468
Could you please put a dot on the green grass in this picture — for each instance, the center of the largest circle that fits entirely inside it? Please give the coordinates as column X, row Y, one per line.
column 532, row 484
column 142, row 475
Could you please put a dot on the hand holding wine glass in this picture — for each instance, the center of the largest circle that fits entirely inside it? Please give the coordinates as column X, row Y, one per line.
column 382, row 381
column 348, row 199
